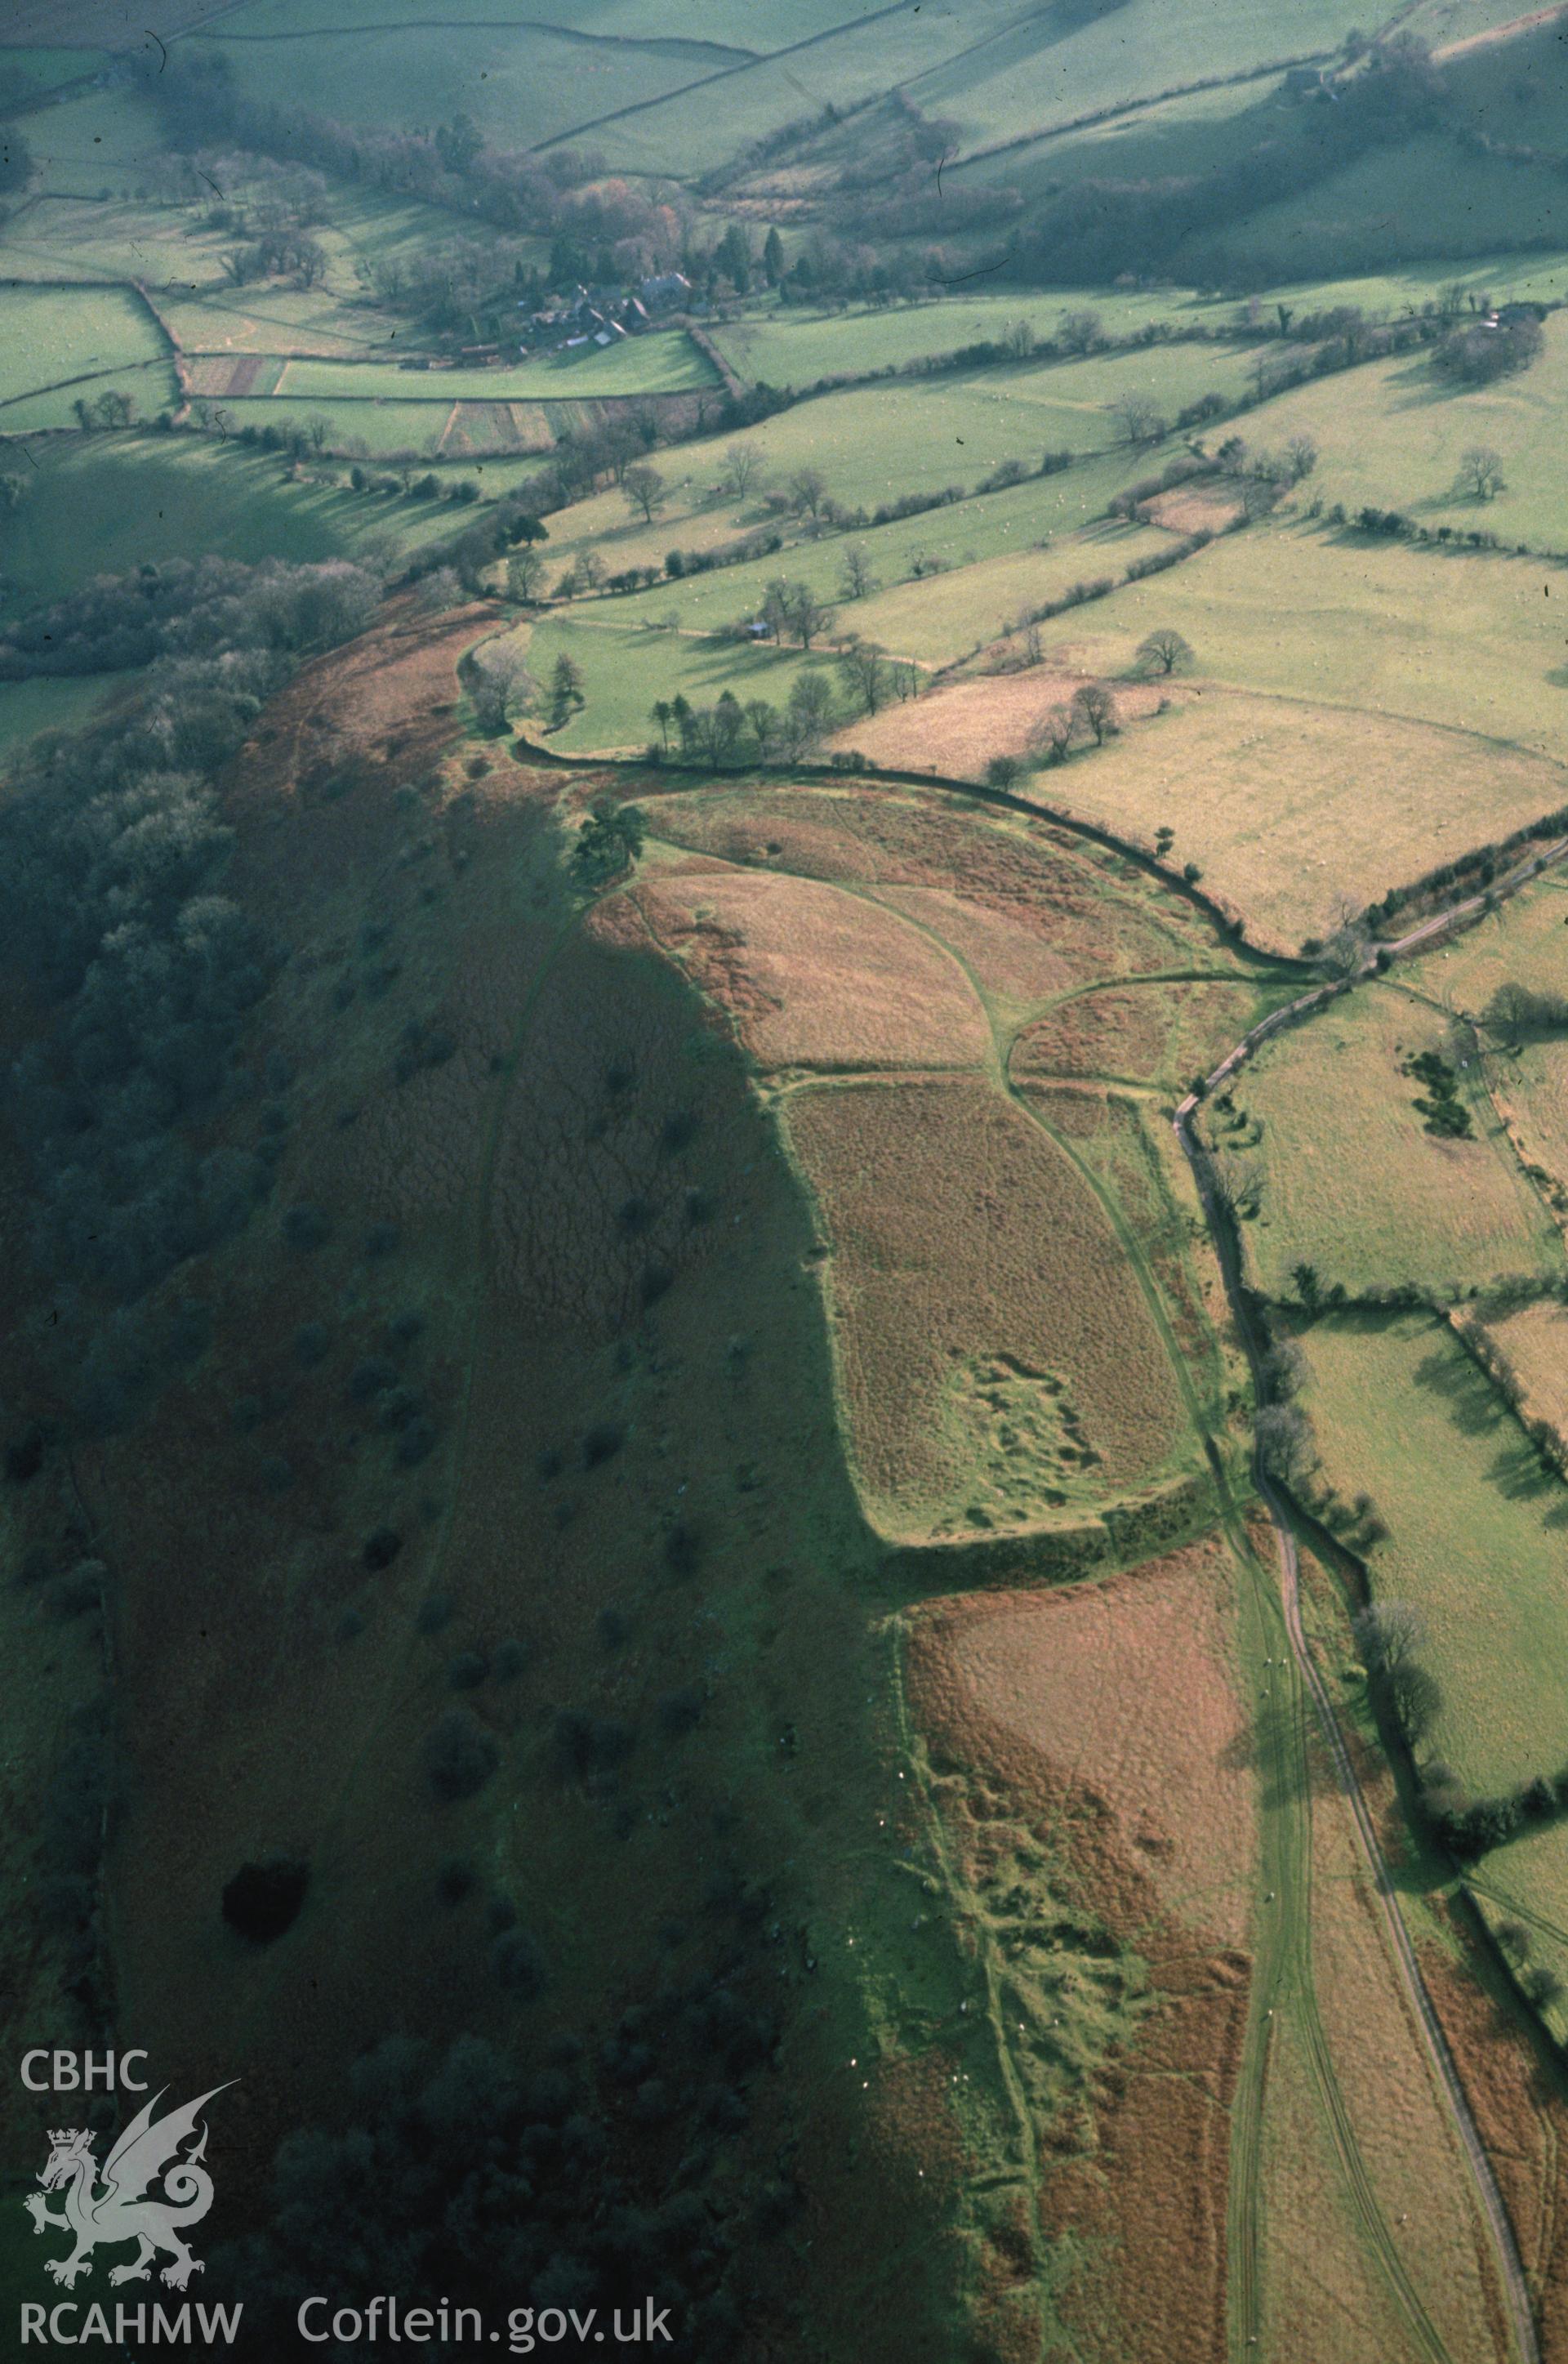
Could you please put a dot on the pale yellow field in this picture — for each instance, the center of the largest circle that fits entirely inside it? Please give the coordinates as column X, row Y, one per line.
column 1293, row 811
column 1322, row 2294
column 1535, row 1341
column 815, row 977
column 1531, row 1093
column 1072, row 1673
column 1523, row 942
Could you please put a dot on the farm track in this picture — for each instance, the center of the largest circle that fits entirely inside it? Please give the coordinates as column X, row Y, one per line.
column 1308, row 1677
column 1282, row 1971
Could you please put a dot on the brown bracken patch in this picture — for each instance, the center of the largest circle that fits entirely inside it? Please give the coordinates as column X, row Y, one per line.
column 1136, row 1789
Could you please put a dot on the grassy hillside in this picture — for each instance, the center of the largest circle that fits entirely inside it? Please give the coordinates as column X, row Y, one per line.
column 102, row 505
column 522, row 83
column 1465, row 642
column 697, row 515
column 1033, row 73
column 1394, row 435
column 28, row 707
column 1425, row 196
column 626, row 670
column 48, row 336
column 795, row 347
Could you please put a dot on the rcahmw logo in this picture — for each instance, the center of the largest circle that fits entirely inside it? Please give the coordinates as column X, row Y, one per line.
column 151, row 2189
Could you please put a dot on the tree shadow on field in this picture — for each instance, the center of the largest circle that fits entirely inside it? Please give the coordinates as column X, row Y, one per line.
column 1272, row 1745
column 1518, row 1470
column 1521, row 1475
column 1475, row 1409
column 1418, row 386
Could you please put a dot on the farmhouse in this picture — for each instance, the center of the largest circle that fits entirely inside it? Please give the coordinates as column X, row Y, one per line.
column 665, row 287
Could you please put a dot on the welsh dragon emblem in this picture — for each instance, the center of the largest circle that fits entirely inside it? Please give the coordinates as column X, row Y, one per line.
column 119, row 2209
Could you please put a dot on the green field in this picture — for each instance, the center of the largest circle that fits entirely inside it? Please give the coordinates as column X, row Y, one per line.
column 1004, row 551
column 690, row 133
column 48, row 335
column 794, row 346
column 1519, row 87
column 1425, row 197
column 995, row 74
column 100, row 506
column 1520, row 942
column 1199, row 130
column 624, row 672
column 666, row 363
column 1393, row 435
column 943, row 618
column 873, row 443
column 379, row 430
column 1527, row 1882
column 1352, row 1183
column 1022, row 80
column 98, row 145
column 1475, row 1528
column 698, row 515
column 523, row 83
column 151, row 386
column 731, row 23
column 1465, row 642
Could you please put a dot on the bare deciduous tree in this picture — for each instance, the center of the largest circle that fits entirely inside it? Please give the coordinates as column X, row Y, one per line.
column 742, row 469
column 1480, row 473
column 1051, row 737
column 1095, row 709
column 1080, row 332
column 807, row 489
column 498, row 680
column 524, row 573
column 1163, row 650
column 856, row 579
column 644, row 490
column 865, row 671
column 1139, row 418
